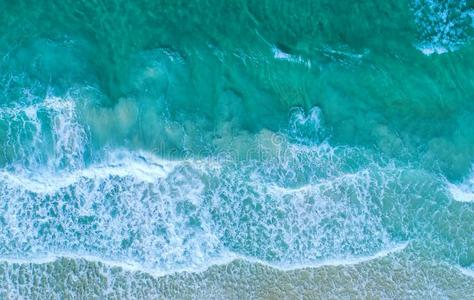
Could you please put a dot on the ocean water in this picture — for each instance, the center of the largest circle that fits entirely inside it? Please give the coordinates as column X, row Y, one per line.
column 240, row 149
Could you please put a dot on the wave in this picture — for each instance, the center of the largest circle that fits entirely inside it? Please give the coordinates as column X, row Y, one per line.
column 173, row 213
column 348, row 261
column 308, row 203
column 128, row 266
column 165, row 215
column 226, row 259
column 140, row 165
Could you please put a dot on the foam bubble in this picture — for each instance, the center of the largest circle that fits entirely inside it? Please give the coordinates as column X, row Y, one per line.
column 306, row 204
column 398, row 275
column 464, row 191
column 281, row 55
column 128, row 266
column 305, row 127
column 140, row 165
column 131, row 266
column 134, row 210
column 173, row 215
column 442, row 25
column 348, row 261
column 47, row 132
column 467, row 272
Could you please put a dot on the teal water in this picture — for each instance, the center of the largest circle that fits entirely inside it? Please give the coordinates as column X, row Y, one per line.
column 236, row 149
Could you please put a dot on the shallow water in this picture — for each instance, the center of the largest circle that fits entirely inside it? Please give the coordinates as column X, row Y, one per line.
column 239, row 149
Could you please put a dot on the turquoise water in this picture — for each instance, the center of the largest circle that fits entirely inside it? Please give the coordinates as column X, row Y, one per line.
column 236, row 149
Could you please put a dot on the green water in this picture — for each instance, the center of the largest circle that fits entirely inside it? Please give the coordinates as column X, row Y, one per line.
column 236, row 149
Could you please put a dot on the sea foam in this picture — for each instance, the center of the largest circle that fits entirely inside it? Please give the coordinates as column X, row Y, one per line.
column 463, row 191
column 306, row 205
column 442, row 25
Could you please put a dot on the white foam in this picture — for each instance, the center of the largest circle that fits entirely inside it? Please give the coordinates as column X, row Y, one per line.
column 307, row 188
column 136, row 192
column 442, row 25
column 68, row 136
column 467, row 271
column 342, row 55
column 281, row 55
column 164, row 215
column 226, row 258
column 464, row 191
column 429, row 49
column 305, row 127
column 126, row 265
column 140, row 165
column 347, row 261
column 461, row 193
